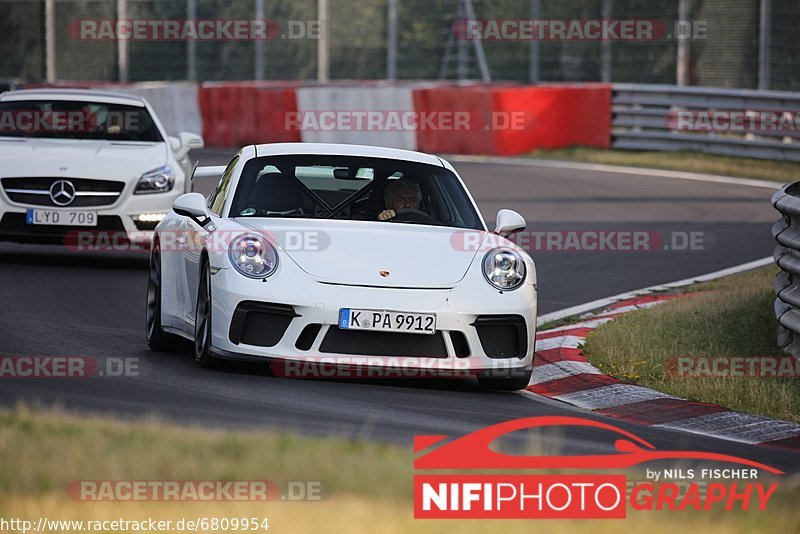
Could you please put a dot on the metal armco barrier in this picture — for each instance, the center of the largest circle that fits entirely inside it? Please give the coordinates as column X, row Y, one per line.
column 787, row 257
column 656, row 117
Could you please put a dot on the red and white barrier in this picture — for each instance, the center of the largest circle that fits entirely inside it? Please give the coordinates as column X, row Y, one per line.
column 506, row 121
column 503, row 120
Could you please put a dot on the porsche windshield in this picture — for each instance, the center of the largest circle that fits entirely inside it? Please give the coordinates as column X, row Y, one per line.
column 66, row 119
column 353, row 188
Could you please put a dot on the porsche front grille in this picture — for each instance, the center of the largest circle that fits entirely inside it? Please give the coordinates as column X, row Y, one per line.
column 383, row 343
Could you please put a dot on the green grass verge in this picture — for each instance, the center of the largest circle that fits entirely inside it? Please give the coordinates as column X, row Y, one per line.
column 91, row 448
column 780, row 171
column 732, row 316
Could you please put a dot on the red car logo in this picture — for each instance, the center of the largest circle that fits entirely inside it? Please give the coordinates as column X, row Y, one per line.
column 473, row 452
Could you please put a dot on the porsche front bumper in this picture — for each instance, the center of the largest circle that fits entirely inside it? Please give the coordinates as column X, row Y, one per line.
column 295, row 318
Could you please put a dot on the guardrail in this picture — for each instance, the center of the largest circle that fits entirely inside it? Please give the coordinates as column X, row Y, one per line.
column 669, row 117
column 787, row 256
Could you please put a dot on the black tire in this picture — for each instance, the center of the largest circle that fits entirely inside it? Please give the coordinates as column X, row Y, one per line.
column 512, row 380
column 157, row 339
column 202, row 319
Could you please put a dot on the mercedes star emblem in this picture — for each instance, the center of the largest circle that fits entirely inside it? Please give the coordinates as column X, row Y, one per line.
column 62, row 193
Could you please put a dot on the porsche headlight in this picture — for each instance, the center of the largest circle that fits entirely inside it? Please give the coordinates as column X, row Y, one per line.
column 253, row 256
column 158, row 180
column 504, row 268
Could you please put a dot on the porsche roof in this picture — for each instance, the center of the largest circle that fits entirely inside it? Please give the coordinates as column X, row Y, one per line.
column 275, row 149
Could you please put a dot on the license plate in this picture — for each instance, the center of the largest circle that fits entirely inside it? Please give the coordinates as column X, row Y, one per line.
column 387, row 321
column 62, row 217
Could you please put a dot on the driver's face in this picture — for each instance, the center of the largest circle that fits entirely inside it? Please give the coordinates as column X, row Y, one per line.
column 404, row 198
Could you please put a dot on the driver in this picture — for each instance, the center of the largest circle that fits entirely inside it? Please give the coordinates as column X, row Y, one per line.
column 400, row 194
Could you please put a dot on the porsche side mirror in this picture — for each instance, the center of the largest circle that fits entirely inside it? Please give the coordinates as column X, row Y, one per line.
column 508, row 222
column 192, row 205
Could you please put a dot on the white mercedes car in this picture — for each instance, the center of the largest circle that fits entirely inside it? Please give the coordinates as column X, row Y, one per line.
column 348, row 255
column 86, row 164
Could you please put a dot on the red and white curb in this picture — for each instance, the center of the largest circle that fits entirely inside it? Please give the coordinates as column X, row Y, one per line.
column 562, row 372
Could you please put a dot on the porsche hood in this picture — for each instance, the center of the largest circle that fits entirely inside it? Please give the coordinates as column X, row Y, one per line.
column 385, row 254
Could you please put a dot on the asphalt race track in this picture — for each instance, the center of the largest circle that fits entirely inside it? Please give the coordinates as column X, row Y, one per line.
column 58, row 302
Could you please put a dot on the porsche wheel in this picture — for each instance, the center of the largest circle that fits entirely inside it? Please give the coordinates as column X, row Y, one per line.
column 157, row 339
column 202, row 320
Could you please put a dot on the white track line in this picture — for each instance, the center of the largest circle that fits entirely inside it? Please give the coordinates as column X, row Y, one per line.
column 561, row 342
column 610, row 396
column 592, row 324
column 736, row 426
column 601, row 303
column 562, row 369
column 638, row 171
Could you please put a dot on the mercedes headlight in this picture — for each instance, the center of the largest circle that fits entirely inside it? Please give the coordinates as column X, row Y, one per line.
column 504, row 268
column 158, row 180
column 253, row 256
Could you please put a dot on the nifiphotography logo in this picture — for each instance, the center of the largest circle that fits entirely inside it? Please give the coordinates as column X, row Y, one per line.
column 577, row 496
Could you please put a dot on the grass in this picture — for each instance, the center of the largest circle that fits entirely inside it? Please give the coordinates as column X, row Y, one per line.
column 732, row 316
column 368, row 486
column 98, row 449
column 780, row 171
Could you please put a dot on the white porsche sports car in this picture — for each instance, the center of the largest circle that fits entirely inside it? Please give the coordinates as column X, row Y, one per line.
column 352, row 255
column 86, row 161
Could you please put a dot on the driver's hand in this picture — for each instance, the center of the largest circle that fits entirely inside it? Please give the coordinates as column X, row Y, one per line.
column 386, row 214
